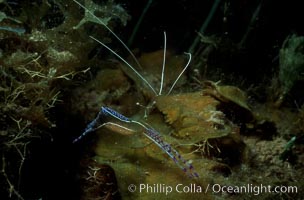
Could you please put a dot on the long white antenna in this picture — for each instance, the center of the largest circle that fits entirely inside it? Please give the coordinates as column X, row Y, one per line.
column 123, row 60
column 189, row 54
column 164, row 64
column 126, row 47
column 112, row 32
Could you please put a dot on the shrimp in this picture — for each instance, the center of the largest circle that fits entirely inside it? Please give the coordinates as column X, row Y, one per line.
column 120, row 124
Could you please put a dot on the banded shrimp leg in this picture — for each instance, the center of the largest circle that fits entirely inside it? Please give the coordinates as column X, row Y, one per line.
column 149, row 132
